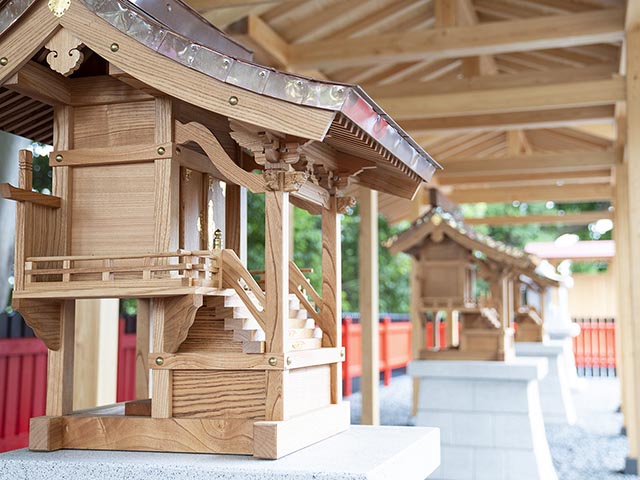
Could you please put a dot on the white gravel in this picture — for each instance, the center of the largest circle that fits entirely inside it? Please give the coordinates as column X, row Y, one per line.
column 593, row 449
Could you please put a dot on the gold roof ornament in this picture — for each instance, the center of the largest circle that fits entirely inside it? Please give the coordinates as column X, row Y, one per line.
column 59, row 7
column 436, row 219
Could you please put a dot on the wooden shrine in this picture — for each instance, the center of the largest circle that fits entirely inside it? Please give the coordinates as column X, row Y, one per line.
column 448, row 256
column 530, row 292
column 158, row 123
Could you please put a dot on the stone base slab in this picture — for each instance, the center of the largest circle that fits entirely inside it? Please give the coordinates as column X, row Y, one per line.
column 360, row 453
column 489, row 416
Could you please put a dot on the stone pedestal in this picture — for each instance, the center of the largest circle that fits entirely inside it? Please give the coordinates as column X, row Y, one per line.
column 489, row 417
column 555, row 393
column 360, row 453
column 564, row 337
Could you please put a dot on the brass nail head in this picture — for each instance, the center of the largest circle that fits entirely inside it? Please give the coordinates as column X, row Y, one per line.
column 289, row 361
column 161, row 150
column 115, row 47
column 273, row 361
column 59, row 158
column 159, row 361
column 4, row 61
column 233, row 100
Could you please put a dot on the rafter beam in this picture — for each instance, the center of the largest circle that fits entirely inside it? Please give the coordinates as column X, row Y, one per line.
column 582, row 218
column 254, row 33
column 558, row 31
column 529, row 164
column 514, row 120
column 532, row 178
column 559, row 193
column 500, row 100
column 40, row 83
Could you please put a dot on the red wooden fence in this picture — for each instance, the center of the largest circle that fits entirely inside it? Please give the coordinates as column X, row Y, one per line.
column 595, row 347
column 23, row 366
column 23, row 379
column 395, row 348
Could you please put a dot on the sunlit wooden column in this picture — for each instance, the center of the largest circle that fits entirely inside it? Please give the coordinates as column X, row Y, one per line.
column 277, row 295
column 415, row 306
column 369, row 308
column 143, row 339
column 96, row 353
column 629, row 268
column 331, row 311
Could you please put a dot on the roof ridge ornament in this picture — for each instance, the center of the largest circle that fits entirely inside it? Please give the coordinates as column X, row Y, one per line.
column 59, row 7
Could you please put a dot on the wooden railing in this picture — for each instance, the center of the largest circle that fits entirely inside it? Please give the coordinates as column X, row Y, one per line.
column 301, row 287
column 236, row 276
column 195, row 268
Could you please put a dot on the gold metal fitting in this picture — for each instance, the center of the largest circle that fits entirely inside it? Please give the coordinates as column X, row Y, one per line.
column 233, row 100
column 159, row 361
column 59, row 158
column 4, row 61
column 273, row 361
column 115, row 47
column 217, row 242
column 342, row 353
column 289, row 361
column 161, row 151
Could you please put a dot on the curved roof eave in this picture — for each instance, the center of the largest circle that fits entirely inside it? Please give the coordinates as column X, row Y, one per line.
column 146, row 22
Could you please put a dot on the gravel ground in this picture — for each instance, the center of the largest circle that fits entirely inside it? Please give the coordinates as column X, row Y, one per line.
column 593, row 449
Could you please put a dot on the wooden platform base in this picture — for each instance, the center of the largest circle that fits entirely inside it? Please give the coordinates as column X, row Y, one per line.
column 457, row 354
column 103, row 430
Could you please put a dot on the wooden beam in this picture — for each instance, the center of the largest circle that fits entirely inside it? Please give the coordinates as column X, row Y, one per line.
column 529, row 164
column 21, row 195
column 528, row 179
column 515, row 99
column 201, row 5
column 512, row 120
column 558, row 193
column 40, row 83
column 582, row 218
column 369, row 311
column 268, row 46
column 527, row 79
column 558, row 31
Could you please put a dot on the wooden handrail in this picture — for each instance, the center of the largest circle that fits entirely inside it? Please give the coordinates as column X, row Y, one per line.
column 232, row 272
column 178, row 253
column 300, row 286
column 22, row 195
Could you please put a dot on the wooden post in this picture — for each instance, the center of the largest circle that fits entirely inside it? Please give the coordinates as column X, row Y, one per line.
column 143, row 321
column 162, row 380
column 277, row 294
column 96, row 353
column 369, row 310
column 60, row 365
column 346, row 332
column 25, row 181
column 236, row 220
column 331, row 311
column 628, row 237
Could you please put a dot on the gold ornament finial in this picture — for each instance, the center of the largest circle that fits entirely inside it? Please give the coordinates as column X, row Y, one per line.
column 59, row 7
column 436, row 219
column 217, row 239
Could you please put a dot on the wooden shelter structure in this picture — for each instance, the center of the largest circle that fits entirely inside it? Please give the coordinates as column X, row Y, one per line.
column 158, row 121
column 446, row 256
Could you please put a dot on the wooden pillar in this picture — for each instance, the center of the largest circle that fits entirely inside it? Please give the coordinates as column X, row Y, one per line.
column 277, row 295
column 143, row 322
column 96, row 353
column 369, row 310
column 162, row 384
column 331, row 311
column 60, row 365
column 236, row 220
column 629, row 239
column 415, row 308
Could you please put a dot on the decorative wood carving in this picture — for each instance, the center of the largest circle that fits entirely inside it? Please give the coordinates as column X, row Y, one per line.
column 180, row 313
column 65, row 56
column 43, row 316
column 345, row 203
column 278, row 180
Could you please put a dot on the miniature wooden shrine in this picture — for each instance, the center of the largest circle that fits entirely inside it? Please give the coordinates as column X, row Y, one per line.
column 530, row 291
column 448, row 257
column 158, row 122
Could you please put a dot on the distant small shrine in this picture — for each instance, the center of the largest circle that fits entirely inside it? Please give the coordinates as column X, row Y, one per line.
column 159, row 123
column 530, row 295
column 448, row 257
